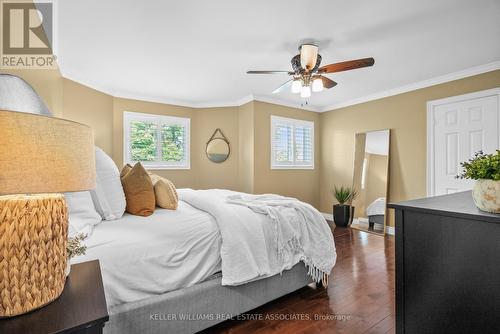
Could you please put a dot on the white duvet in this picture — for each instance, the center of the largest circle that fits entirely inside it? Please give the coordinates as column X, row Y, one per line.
column 146, row 256
column 264, row 234
column 251, row 238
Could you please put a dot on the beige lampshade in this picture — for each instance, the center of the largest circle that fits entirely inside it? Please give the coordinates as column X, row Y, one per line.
column 40, row 154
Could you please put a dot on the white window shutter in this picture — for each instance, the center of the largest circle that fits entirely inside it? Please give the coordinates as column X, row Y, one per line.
column 283, row 143
column 167, row 144
column 292, row 143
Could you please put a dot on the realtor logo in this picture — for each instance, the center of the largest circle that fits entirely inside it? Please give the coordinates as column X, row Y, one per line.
column 27, row 34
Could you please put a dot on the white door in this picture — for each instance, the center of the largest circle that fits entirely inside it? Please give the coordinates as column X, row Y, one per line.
column 459, row 127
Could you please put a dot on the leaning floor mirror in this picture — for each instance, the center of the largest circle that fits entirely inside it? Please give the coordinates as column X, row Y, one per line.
column 370, row 180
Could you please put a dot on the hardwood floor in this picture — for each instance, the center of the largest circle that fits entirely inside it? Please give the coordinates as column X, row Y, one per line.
column 359, row 298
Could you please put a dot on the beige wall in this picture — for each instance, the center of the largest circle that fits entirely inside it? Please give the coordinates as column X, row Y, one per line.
column 248, row 129
column 86, row 105
column 405, row 115
column 203, row 173
column 302, row 184
column 246, row 147
column 217, row 175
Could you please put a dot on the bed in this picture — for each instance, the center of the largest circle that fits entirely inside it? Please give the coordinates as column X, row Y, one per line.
column 142, row 257
column 174, row 272
column 376, row 212
column 164, row 273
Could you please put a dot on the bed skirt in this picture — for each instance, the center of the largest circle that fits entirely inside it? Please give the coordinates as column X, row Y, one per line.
column 195, row 308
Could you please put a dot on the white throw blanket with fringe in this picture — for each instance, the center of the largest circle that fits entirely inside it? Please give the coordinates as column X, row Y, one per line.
column 262, row 235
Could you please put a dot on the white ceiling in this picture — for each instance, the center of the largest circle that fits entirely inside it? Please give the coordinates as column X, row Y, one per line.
column 197, row 52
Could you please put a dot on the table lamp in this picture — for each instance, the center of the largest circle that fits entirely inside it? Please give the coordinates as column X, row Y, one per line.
column 40, row 157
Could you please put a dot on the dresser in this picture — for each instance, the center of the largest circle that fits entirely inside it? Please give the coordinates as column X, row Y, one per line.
column 447, row 266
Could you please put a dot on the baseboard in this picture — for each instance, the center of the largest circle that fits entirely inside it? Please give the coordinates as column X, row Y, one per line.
column 388, row 229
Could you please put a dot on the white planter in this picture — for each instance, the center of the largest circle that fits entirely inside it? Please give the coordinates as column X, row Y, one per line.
column 486, row 195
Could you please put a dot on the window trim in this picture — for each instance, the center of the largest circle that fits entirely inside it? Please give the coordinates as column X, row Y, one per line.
column 293, row 122
column 129, row 116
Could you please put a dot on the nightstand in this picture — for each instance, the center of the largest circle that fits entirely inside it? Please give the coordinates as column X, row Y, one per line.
column 81, row 308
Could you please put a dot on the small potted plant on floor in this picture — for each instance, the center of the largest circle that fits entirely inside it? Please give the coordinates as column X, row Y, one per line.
column 342, row 212
column 485, row 169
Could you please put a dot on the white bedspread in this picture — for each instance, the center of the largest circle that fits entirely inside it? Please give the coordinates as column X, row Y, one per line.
column 264, row 234
column 377, row 207
column 142, row 257
column 145, row 256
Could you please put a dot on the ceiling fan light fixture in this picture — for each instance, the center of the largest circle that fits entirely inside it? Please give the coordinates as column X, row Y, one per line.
column 296, row 86
column 317, row 84
column 308, row 55
column 305, row 91
column 307, row 74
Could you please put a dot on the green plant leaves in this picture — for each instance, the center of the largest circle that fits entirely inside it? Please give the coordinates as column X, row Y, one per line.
column 481, row 166
column 344, row 194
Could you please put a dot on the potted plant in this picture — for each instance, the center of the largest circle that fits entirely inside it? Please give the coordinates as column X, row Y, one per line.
column 485, row 169
column 342, row 212
column 75, row 247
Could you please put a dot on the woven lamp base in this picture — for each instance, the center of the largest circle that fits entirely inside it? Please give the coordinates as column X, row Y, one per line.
column 33, row 238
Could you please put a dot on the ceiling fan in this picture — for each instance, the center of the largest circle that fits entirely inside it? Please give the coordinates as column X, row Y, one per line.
column 307, row 73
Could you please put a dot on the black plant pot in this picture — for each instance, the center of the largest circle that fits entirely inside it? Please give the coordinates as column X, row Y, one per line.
column 342, row 215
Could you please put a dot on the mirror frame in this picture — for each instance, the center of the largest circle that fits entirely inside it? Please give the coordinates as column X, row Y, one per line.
column 386, row 185
column 221, row 137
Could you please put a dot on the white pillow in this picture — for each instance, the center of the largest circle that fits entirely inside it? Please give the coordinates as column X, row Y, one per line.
column 108, row 196
column 82, row 214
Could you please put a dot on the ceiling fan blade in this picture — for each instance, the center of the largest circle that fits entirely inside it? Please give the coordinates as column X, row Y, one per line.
column 347, row 65
column 283, row 87
column 327, row 82
column 269, row 72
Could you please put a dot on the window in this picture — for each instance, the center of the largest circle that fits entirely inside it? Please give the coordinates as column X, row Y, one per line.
column 292, row 143
column 158, row 142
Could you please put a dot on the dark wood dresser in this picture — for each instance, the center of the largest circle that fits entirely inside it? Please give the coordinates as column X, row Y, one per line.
column 81, row 308
column 447, row 266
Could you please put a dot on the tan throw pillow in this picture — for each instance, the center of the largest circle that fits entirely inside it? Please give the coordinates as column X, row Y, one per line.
column 165, row 192
column 125, row 170
column 138, row 190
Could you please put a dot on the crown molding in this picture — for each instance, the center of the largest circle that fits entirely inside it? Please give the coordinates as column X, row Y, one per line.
column 76, row 77
column 273, row 100
column 417, row 85
column 83, row 80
